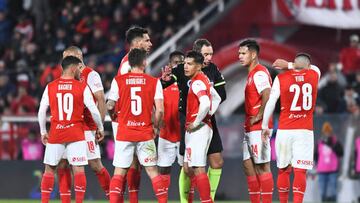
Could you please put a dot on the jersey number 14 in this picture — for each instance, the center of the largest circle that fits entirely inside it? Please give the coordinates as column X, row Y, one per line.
column 306, row 91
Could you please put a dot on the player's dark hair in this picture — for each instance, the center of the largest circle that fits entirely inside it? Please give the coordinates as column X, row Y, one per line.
column 135, row 32
column 136, row 57
column 251, row 44
column 199, row 43
column 69, row 61
column 176, row 53
column 306, row 55
column 197, row 56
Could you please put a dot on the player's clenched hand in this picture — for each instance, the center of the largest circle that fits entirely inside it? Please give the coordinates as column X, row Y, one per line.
column 280, row 64
column 253, row 120
column 99, row 135
column 265, row 134
column 44, row 138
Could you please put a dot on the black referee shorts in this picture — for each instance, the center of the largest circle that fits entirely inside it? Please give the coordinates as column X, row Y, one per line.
column 215, row 144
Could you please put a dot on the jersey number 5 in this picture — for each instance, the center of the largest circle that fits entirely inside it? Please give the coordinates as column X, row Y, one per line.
column 65, row 105
column 136, row 105
column 306, row 92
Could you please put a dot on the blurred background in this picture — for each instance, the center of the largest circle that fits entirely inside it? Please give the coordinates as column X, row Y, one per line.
column 33, row 34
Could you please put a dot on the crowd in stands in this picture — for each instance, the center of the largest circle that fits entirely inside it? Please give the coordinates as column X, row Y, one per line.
column 340, row 86
column 33, row 34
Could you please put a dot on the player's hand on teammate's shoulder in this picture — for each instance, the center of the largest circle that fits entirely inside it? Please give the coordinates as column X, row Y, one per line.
column 44, row 138
column 99, row 136
column 280, row 64
column 265, row 135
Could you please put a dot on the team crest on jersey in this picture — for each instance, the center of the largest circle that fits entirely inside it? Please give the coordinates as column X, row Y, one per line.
column 82, row 79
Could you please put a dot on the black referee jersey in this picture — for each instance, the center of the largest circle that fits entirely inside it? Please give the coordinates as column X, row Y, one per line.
column 178, row 75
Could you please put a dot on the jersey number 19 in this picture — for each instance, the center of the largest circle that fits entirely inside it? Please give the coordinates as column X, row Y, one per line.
column 65, row 105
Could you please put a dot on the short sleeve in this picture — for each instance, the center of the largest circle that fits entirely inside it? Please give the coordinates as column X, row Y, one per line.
column 159, row 91
column 198, row 87
column 124, row 68
column 114, row 91
column 94, row 82
column 261, row 80
column 88, row 98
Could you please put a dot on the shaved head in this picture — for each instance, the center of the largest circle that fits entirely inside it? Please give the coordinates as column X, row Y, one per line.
column 73, row 51
column 302, row 60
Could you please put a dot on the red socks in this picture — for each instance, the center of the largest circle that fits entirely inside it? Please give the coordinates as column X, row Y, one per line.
column 79, row 186
column 166, row 179
column 160, row 189
column 64, row 178
column 133, row 180
column 283, row 184
column 117, row 187
column 192, row 189
column 267, row 186
column 47, row 184
column 104, row 180
column 203, row 186
column 254, row 189
column 299, row 185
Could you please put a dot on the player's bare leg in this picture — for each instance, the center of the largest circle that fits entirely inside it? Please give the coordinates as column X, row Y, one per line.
column 252, row 180
column 216, row 163
column 47, row 183
column 64, row 178
column 133, row 180
column 79, row 183
column 283, row 183
column 102, row 174
column 266, row 181
column 158, row 183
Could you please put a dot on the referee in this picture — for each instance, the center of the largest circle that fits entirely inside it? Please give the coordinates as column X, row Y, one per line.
column 217, row 80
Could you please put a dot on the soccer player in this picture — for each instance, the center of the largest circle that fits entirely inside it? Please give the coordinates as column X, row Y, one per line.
column 136, row 94
column 297, row 89
column 169, row 138
column 67, row 98
column 137, row 37
column 198, row 122
column 256, row 154
column 214, row 153
column 93, row 80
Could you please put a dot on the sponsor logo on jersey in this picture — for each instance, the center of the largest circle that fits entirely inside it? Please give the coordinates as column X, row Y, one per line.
column 150, row 159
column 296, row 116
column 135, row 123
column 61, row 127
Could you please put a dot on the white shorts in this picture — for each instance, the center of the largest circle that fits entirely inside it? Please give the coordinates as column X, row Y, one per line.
column 75, row 152
column 167, row 152
column 295, row 147
column 125, row 151
column 114, row 126
column 196, row 146
column 254, row 148
column 93, row 149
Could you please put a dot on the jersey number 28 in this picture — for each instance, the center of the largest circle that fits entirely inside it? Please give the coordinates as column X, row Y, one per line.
column 306, row 92
column 65, row 105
